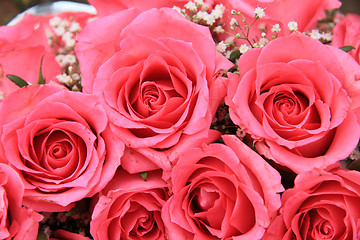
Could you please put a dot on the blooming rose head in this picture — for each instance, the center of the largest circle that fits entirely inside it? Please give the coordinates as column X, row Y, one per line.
column 60, row 143
column 156, row 74
column 36, row 41
column 292, row 96
column 347, row 33
column 130, row 208
column 322, row 205
column 16, row 221
column 221, row 192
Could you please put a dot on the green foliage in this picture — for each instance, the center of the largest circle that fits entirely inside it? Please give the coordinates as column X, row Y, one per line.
column 144, row 175
column 347, row 48
column 17, row 80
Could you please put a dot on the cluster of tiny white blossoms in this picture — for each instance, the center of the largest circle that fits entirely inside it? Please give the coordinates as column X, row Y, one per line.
column 200, row 12
column 61, row 38
column 325, row 37
column 242, row 31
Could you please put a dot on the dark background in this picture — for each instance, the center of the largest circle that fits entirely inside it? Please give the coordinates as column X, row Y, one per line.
column 10, row 8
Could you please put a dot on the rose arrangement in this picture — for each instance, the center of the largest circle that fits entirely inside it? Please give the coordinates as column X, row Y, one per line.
column 181, row 120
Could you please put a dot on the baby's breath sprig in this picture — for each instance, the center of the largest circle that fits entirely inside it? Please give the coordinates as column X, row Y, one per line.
column 61, row 38
column 240, row 30
column 199, row 12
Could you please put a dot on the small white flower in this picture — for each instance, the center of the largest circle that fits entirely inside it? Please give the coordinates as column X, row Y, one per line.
column 65, row 60
column 234, row 22
column 259, row 12
column 177, row 9
column 315, row 34
column 75, row 27
column 263, row 41
column 67, row 36
column 227, row 54
column 293, row 26
column 326, row 36
column 65, row 79
column 55, row 21
column 70, row 59
column 75, row 76
column 60, row 58
column 218, row 11
column 218, row 29
column 263, row 34
column 221, row 47
column 191, row 6
column 209, row 19
column 199, row 2
column 59, row 30
column 244, row 48
column 70, row 44
column 276, row 28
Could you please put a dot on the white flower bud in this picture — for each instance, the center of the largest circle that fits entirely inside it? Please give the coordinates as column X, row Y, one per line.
column 293, row 26
column 259, row 12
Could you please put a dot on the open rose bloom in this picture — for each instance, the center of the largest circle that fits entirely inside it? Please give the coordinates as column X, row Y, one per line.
column 178, row 119
column 292, row 96
column 322, row 205
column 60, row 143
column 222, row 192
column 130, row 208
column 157, row 77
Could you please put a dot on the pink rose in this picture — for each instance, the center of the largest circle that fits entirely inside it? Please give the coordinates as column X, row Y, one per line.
column 222, row 192
column 27, row 42
column 292, row 96
column 60, row 143
column 16, row 221
column 159, row 85
column 347, row 33
column 130, row 208
column 322, row 205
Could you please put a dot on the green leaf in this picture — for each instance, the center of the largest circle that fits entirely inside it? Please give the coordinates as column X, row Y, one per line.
column 41, row 79
column 41, row 236
column 235, row 55
column 347, row 48
column 144, row 175
column 17, row 80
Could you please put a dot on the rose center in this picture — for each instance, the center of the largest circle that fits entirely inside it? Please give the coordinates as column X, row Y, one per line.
column 284, row 104
column 59, row 150
column 204, row 200
column 150, row 95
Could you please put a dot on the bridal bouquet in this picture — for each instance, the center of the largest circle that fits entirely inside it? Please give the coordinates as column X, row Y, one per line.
column 172, row 119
